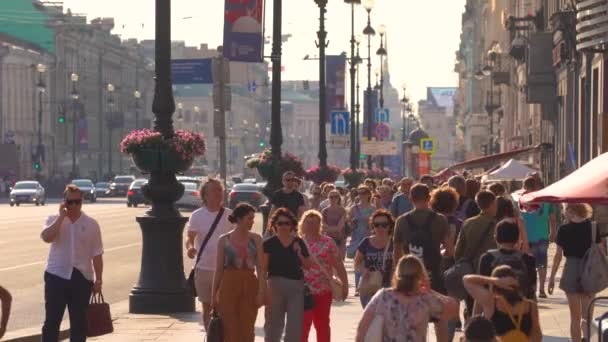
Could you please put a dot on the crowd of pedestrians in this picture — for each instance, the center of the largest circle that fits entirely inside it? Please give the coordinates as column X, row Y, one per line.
column 404, row 238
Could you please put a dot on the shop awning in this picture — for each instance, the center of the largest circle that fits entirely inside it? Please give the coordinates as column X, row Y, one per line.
column 588, row 184
column 488, row 161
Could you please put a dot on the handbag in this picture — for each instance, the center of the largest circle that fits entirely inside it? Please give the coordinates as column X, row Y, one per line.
column 594, row 274
column 375, row 331
column 98, row 316
column 371, row 282
column 191, row 281
column 452, row 277
column 309, row 300
column 334, row 283
column 215, row 330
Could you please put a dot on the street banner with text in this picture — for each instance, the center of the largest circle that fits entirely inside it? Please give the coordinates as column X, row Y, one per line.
column 243, row 30
column 336, row 71
column 374, row 105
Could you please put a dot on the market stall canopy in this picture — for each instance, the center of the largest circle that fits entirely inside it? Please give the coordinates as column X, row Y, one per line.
column 589, row 184
column 444, row 175
column 489, row 161
column 512, row 169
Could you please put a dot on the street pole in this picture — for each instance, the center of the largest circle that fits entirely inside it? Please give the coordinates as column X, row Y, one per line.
column 110, row 122
column 322, row 34
column 74, row 95
column 358, row 106
column 369, row 32
column 276, row 133
column 354, row 157
column 39, row 148
column 381, row 52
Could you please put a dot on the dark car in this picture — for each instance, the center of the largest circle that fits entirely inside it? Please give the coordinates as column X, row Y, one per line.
column 87, row 188
column 27, row 192
column 246, row 192
column 120, row 185
column 134, row 195
column 102, row 189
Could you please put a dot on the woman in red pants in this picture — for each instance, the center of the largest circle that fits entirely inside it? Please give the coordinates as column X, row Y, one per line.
column 324, row 253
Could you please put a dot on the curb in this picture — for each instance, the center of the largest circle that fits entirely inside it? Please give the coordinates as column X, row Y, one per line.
column 118, row 310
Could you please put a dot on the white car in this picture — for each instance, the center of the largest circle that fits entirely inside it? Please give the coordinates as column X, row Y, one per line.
column 191, row 198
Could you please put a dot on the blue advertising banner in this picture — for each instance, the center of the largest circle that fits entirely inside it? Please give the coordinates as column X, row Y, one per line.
column 243, row 30
column 374, row 101
column 335, row 81
column 191, row 71
column 83, row 134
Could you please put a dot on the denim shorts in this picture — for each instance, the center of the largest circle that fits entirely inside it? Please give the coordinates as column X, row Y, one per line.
column 539, row 250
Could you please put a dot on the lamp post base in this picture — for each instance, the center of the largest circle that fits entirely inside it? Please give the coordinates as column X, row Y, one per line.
column 162, row 285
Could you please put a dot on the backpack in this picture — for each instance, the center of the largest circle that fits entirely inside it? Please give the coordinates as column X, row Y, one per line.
column 420, row 244
column 594, row 275
column 517, row 263
column 515, row 335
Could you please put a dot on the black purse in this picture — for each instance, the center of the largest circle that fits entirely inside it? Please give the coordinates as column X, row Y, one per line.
column 215, row 330
column 309, row 301
column 191, row 280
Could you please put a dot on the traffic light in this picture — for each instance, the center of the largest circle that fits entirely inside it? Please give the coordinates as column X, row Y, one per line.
column 262, row 144
column 37, row 165
column 61, row 119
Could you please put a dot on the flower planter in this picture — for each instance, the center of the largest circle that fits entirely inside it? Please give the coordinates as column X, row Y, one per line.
column 160, row 160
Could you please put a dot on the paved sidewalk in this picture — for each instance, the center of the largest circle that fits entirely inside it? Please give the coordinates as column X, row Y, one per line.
column 554, row 316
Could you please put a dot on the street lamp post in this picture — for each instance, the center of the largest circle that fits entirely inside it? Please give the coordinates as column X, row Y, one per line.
column 180, row 116
column 41, row 68
column 276, row 133
column 321, row 44
column 381, row 52
column 111, row 117
column 74, row 95
column 369, row 32
column 405, row 102
column 358, row 106
column 161, row 287
column 354, row 157
column 137, row 95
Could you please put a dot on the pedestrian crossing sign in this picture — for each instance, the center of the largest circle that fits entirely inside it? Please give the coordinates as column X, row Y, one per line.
column 428, row 146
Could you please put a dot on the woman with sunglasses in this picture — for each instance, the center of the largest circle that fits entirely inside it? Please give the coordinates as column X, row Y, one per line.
column 285, row 258
column 359, row 221
column 324, row 255
column 375, row 253
column 334, row 221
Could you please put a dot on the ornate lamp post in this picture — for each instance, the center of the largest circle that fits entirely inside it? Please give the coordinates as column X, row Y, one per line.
column 276, row 132
column 41, row 86
column 358, row 106
column 369, row 32
column 111, row 118
column 405, row 101
column 75, row 96
column 354, row 157
column 161, row 287
column 321, row 44
column 381, row 52
column 137, row 96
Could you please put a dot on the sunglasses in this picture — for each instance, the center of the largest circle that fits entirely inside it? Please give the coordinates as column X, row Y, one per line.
column 283, row 223
column 381, row 224
column 73, row 202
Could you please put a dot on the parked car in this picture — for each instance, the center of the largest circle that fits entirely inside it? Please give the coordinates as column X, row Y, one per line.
column 186, row 179
column 191, row 198
column 120, row 185
column 102, row 189
column 135, row 196
column 250, row 181
column 27, row 192
column 246, row 192
column 87, row 188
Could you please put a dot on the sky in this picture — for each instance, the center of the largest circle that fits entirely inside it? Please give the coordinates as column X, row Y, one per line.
column 423, row 35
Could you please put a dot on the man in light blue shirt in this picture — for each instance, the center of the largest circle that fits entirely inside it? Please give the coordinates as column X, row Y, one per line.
column 401, row 203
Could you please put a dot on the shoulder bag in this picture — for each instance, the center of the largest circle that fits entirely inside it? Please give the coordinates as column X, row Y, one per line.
column 99, row 318
column 191, row 280
column 594, row 275
column 334, row 283
column 215, row 330
column 372, row 281
column 452, row 277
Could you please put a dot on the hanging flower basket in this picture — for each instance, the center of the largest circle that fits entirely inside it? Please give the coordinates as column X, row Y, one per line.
column 153, row 153
column 268, row 167
column 319, row 174
column 354, row 178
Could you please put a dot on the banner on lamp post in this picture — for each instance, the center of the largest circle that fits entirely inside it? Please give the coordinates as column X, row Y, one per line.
column 335, row 80
column 243, row 30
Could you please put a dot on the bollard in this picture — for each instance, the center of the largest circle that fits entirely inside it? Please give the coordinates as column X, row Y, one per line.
column 265, row 210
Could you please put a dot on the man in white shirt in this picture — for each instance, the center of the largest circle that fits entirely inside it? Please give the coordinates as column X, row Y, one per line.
column 199, row 225
column 74, row 267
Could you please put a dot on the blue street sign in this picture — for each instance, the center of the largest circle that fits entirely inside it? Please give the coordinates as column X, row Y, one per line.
column 252, row 87
column 427, row 146
column 382, row 115
column 340, row 124
column 191, row 71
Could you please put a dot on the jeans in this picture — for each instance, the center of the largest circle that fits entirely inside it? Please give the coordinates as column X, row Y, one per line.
column 319, row 316
column 59, row 293
column 364, row 300
column 286, row 299
column 357, row 279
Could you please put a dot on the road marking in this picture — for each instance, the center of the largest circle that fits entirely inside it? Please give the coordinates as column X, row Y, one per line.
column 12, row 268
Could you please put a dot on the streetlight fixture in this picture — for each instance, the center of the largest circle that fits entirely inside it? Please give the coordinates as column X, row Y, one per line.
column 321, row 44
column 41, row 87
column 354, row 157
column 75, row 96
column 111, row 117
column 358, row 106
column 405, row 101
column 369, row 32
column 381, row 52
column 137, row 96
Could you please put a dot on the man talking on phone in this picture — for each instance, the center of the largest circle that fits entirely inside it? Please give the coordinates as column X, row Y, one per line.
column 74, row 267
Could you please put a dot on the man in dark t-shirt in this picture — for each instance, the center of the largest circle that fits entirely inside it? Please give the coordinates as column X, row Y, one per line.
column 289, row 197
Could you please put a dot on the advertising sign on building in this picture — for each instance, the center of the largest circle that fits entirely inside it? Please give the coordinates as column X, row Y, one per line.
column 243, row 30
column 191, row 71
column 379, row 148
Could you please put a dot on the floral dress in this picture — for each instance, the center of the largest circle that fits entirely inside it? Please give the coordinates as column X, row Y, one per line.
column 322, row 250
column 405, row 322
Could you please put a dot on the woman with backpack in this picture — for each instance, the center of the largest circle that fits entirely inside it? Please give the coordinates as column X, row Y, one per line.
column 500, row 296
column 573, row 241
